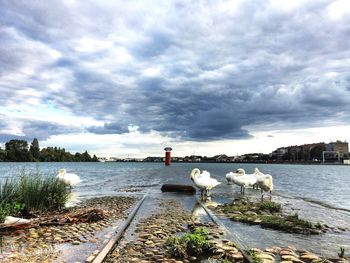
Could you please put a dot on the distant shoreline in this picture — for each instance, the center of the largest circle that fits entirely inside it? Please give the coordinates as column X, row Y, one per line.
column 134, row 161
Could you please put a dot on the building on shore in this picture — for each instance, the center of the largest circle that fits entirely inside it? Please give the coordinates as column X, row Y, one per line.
column 339, row 147
column 312, row 152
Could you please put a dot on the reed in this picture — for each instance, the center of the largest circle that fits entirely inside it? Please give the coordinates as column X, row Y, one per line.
column 32, row 193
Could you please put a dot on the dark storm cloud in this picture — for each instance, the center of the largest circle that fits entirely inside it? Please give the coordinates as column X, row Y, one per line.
column 7, row 137
column 41, row 130
column 192, row 70
column 109, row 128
column 44, row 129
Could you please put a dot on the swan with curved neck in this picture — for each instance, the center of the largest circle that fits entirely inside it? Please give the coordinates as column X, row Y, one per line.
column 203, row 181
column 229, row 176
column 265, row 182
column 69, row 178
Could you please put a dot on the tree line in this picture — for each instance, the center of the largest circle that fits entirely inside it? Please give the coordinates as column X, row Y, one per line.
column 21, row 151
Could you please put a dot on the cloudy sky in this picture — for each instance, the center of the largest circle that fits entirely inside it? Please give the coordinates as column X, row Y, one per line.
column 121, row 78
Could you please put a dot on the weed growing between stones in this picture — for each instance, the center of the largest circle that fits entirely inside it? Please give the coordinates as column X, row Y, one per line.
column 189, row 244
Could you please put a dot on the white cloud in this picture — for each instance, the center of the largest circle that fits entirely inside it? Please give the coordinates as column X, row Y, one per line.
column 338, row 9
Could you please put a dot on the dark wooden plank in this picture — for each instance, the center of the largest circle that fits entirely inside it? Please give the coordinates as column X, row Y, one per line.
column 178, row 188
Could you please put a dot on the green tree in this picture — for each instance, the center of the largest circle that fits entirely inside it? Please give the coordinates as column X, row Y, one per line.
column 85, row 157
column 77, row 157
column 94, row 158
column 2, row 155
column 35, row 150
column 17, row 151
column 317, row 152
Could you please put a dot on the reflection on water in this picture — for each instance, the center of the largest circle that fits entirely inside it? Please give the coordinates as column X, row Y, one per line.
column 316, row 192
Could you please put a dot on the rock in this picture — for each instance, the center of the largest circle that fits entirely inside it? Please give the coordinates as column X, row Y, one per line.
column 90, row 259
column 250, row 213
column 309, row 257
column 219, row 251
column 290, row 258
column 266, row 256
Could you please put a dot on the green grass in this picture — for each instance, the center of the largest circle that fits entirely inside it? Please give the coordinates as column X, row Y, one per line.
column 269, row 206
column 341, row 253
column 32, row 193
column 254, row 256
column 194, row 244
column 257, row 207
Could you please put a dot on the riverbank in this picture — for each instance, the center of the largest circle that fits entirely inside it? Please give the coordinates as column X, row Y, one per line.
column 169, row 228
column 170, row 234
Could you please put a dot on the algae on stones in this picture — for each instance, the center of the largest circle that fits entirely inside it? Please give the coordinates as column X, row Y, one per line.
column 268, row 214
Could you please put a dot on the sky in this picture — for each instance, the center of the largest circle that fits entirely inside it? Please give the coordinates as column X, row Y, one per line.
column 127, row 78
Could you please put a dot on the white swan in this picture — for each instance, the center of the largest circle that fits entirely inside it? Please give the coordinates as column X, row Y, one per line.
column 230, row 175
column 242, row 179
column 265, row 182
column 69, row 178
column 258, row 174
column 203, row 181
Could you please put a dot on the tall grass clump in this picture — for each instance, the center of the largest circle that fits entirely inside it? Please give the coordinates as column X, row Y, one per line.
column 40, row 193
column 32, row 193
column 9, row 199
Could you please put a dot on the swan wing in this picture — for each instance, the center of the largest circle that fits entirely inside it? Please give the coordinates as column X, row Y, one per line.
column 246, row 180
column 265, row 182
column 206, row 182
column 229, row 176
column 73, row 179
column 213, row 182
column 204, row 174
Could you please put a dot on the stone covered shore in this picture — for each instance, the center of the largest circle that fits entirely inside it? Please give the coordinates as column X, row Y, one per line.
column 76, row 226
column 147, row 243
column 153, row 232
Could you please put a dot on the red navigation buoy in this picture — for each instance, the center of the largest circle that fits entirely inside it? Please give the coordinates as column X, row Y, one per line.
column 167, row 155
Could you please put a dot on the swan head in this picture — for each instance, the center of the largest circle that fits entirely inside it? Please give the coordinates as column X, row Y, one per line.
column 62, row 172
column 195, row 172
column 257, row 172
column 240, row 171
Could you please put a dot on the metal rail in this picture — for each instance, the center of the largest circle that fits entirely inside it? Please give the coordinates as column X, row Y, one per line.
column 115, row 240
column 240, row 244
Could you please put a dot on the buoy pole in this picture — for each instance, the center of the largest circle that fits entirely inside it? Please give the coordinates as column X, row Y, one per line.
column 167, row 155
